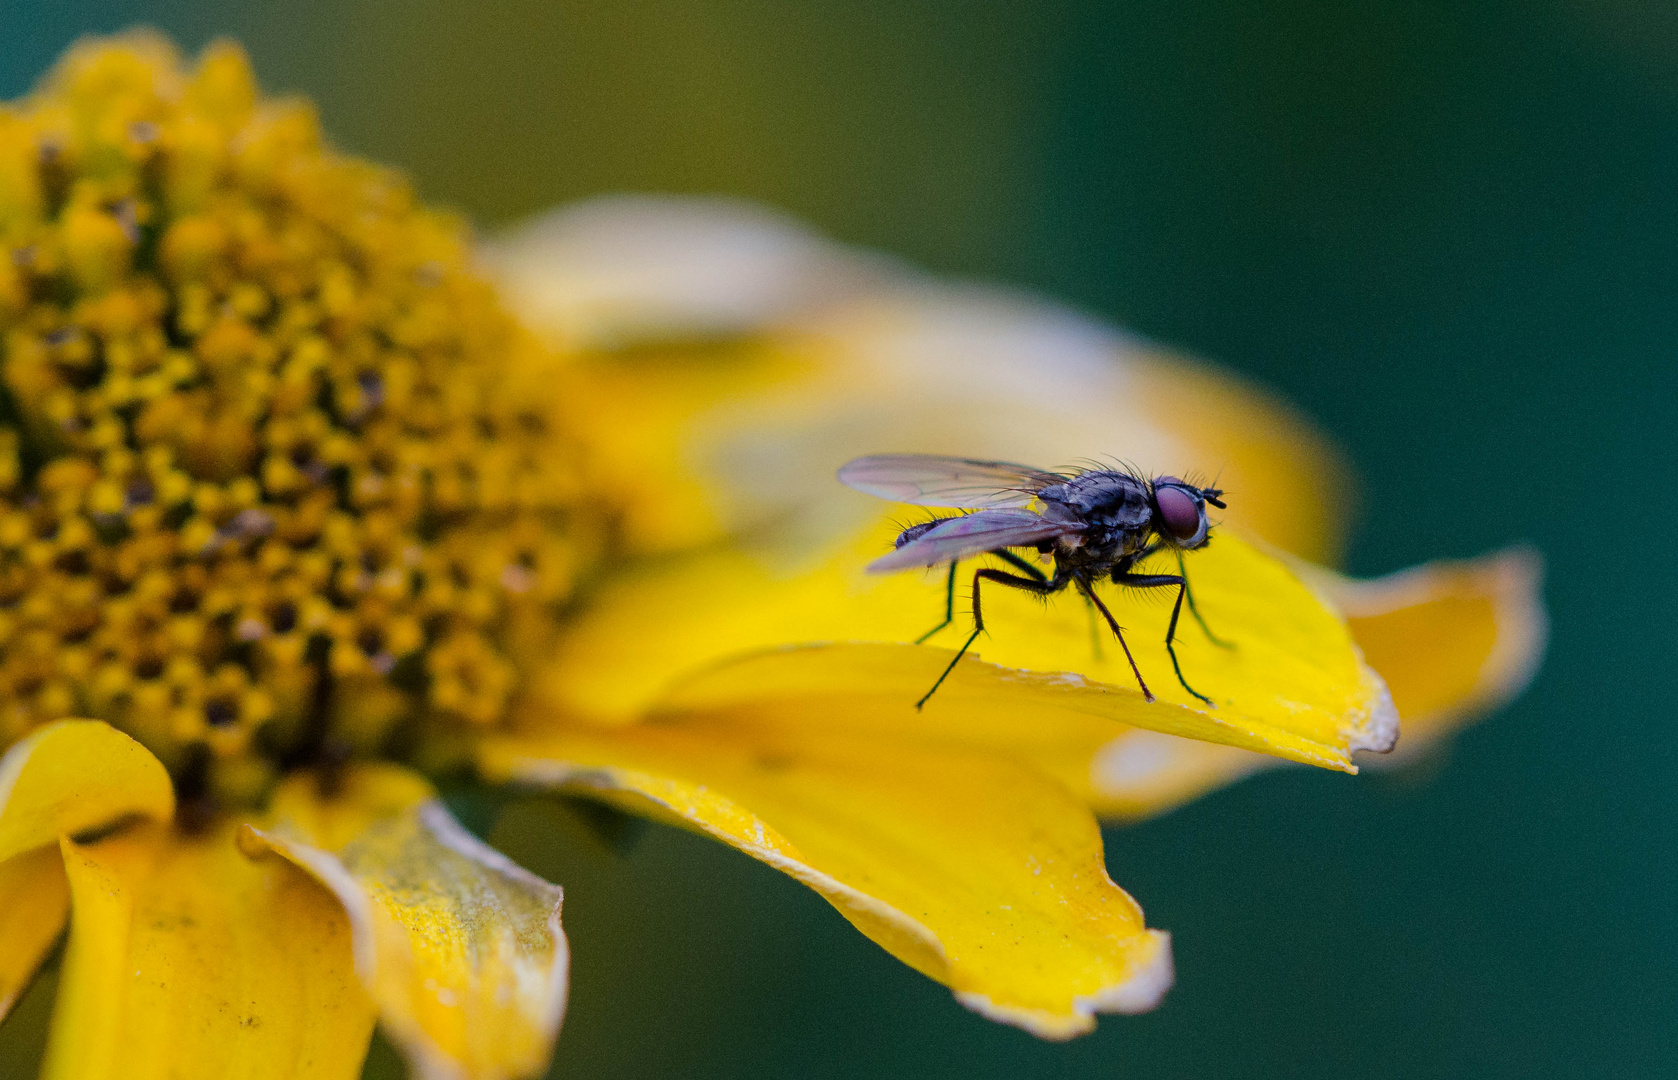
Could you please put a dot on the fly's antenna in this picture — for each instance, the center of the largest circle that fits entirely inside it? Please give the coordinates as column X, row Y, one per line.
column 1213, row 493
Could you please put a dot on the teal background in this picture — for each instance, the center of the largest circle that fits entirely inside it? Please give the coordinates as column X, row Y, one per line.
column 1446, row 229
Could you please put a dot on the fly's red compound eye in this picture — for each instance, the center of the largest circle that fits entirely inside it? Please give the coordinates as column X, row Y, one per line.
column 1178, row 511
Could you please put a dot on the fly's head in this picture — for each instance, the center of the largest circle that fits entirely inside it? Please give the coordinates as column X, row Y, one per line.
column 1180, row 511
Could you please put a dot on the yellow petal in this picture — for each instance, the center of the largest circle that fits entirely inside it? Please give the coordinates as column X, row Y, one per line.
column 186, row 958
column 462, row 949
column 975, row 870
column 839, row 354
column 76, row 775
column 66, row 778
column 33, row 903
column 626, row 270
column 1292, row 685
column 1453, row 640
column 1287, row 482
column 1138, row 774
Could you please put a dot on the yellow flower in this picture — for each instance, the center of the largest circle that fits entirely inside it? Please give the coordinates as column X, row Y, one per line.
column 279, row 498
column 297, row 515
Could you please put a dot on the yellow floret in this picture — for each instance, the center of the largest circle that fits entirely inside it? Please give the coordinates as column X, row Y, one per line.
column 277, row 478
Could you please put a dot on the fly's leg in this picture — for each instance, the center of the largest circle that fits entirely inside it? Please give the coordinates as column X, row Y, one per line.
column 950, row 588
column 1095, row 630
column 1213, row 638
column 1020, row 564
column 1118, row 633
column 1158, row 581
column 1037, row 585
column 949, row 606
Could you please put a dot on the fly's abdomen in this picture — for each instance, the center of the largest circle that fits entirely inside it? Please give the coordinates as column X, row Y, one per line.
column 915, row 532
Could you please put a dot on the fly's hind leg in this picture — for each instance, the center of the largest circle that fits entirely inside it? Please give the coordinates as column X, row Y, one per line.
column 949, row 605
column 1193, row 610
column 1158, row 581
column 950, row 588
column 1036, row 585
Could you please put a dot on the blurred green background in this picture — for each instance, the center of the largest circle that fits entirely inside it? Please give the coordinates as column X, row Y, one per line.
column 1447, row 229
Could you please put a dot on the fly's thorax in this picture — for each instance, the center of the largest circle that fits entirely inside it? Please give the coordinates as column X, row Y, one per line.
column 1102, row 547
column 1111, row 501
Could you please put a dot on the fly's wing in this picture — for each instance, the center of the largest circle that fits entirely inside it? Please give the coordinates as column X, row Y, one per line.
column 926, row 480
column 972, row 535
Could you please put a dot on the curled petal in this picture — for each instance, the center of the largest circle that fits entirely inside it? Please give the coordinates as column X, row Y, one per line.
column 33, row 902
column 975, row 870
column 67, row 778
column 186, row 956
column 73, row 776
column 461, row 949
column 1292, row 684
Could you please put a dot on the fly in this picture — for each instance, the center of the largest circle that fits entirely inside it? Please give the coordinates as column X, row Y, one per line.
column 1098, row 523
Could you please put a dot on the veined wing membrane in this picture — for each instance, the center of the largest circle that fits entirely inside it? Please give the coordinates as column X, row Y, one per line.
column 926, row 480
column 974, row 534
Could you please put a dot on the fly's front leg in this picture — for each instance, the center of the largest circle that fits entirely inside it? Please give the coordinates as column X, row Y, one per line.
column 1207, row 630
column 1158, row 581
column 1036, row 585
column 949, row 605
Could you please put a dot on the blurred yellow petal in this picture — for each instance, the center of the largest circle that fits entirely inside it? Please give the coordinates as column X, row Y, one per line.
column 1453, row 640
column 1287, row 482
column 675, row 290
column 65, row 778
column 974, row 869
column 461, row 948
column 33, row 902
column 764, row 357
column 626, row 270
column 187, row 959
column 1292, row 685
column 1138, row 774
column 72, row 776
